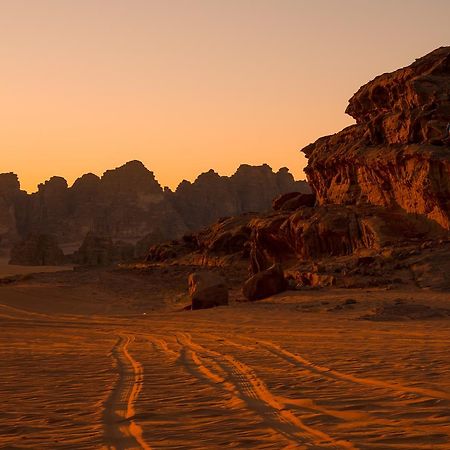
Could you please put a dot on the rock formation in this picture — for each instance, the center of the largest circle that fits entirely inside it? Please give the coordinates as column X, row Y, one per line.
column 207, row 289
column 12, row 209
column 397, row 155
column 250, row 189
column 292, row 201
column 379, row 212
column 102, row 251
column 381, row 183
column 265, row 283
column 226, row 241
column 37, row 250
column 128, row 204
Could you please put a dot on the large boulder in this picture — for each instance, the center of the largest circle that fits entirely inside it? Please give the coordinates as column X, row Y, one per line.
column 37, row 250
column 265, row 283
column 207, row 290
column 398, row 152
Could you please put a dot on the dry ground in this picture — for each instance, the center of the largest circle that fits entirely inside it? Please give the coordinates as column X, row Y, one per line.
column 106, row 359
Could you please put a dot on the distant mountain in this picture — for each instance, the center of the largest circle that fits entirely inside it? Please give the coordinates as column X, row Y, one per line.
column 128, row 203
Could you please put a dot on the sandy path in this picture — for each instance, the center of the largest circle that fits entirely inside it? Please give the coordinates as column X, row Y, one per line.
column 121, row 429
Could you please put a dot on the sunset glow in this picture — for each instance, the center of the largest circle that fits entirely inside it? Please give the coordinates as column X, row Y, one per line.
column 185, row 86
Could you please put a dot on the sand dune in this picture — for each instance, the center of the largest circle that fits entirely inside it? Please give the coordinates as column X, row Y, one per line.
column 291, row 372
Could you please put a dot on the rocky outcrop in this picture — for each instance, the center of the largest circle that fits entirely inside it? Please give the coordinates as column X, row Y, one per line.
column 397, row 155
column 226, row 240
column 265, row 283
column 333, row 230
column 207, row 290
column 250, row 189
column 13, row 210
column 37, row 250
column 102, row 251
column 292, row 201
column 128, row 204
column 380, row 207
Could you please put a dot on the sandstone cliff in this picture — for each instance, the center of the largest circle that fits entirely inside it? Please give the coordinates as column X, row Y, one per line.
column 379, row 212
column 397, row 154
column 250, row 189
column 12, row 209
column 128, row 204
column 37, row 250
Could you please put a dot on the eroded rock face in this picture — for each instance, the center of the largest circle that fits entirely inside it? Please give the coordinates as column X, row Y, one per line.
column 228, row 237
column 11, row 209
column 207, row 290
column 37, row 250
column 128, row 204
column 379, row 211
column 99, row 250
column 332, row 230
column 292, row 201
column 250, row 189
column 397, row 154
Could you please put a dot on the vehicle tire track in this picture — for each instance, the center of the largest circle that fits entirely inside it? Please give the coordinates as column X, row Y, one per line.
column 299, row 361
column 121, row 429
column 239, row 379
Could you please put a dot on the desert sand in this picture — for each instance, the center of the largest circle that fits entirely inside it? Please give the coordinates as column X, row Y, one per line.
column 87, row 363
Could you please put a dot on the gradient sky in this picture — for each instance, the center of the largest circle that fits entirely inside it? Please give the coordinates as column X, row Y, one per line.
column 189, row 85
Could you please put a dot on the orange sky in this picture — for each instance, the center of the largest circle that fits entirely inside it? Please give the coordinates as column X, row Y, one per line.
column 189, row 85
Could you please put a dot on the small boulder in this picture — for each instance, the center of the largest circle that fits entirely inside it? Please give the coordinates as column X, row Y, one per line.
column 207, row 290
column 265, row 283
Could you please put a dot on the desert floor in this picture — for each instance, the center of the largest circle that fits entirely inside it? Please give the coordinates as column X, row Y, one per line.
column 106, row 360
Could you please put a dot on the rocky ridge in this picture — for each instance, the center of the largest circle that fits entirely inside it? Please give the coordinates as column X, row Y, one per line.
column 128, row 205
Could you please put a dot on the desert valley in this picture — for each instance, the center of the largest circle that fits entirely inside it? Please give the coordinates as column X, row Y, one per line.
column 251, row 311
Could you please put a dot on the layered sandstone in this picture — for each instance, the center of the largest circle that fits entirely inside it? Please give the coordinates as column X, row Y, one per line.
column 397, row 155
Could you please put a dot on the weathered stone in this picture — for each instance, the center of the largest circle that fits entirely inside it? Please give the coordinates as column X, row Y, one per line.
column 128, row 204
column 207, row 290
column 398, row 152
column 265, row 283
column 102, row 251
column 37, row 250
column 292, row 201
column 11, row 209
column 250, row 189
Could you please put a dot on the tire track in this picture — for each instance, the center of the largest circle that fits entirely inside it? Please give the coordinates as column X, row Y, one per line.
column 120, row 426
column 354, row 417
column 240, row 380
column 299, row 361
